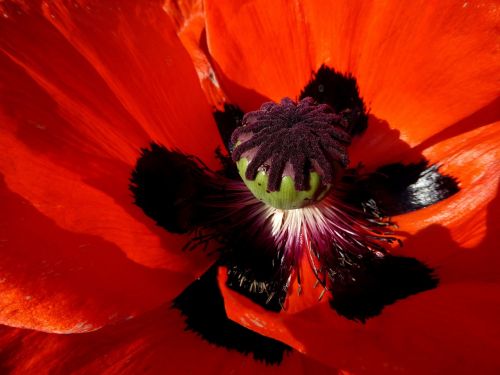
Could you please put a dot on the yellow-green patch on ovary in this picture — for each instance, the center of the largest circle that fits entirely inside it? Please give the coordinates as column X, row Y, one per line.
column 287, row 197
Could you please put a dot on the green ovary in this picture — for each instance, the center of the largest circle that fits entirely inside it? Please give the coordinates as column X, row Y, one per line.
column 287, row 197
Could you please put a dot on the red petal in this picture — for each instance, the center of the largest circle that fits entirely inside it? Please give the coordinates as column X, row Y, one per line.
column 380, row 145
column 457, row 237
column 454, row 328
column 77, row 254
column 153, row 344
column 260, row 48
column 117, row 72
column 413, row 61
column 472, row 158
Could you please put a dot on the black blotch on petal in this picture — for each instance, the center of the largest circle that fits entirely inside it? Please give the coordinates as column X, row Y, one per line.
column 202, row 305
column 227, row 121
column 167, row 186
column 377, row 282
column 341, row 93
column 399, row 188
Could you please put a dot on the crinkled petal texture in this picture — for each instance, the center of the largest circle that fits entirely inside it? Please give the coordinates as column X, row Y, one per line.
column 152, row 344
column 451, row 329
column 84, row 85
column 421, row 66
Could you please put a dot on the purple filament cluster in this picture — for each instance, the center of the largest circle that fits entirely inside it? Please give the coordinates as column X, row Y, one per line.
column 306, row 136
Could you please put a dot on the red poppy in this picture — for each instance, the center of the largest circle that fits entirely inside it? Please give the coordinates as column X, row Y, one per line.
column 86, row 85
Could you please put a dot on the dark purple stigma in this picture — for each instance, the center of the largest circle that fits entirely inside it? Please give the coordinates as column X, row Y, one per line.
column 292, row 139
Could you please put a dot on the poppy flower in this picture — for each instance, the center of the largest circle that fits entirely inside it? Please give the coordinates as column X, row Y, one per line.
column 95, row 94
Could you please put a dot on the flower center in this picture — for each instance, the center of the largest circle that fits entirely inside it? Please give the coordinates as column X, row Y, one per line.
column 289, row 154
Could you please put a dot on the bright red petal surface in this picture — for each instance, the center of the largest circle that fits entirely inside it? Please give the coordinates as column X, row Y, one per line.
column 87, row 54
column 421, row 66
column 153, row 344
column 83, row 87
column 260, row 49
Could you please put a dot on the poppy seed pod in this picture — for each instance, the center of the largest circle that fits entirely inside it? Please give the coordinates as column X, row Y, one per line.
column 289, row 154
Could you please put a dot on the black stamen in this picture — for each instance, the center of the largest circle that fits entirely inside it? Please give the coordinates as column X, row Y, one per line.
column 263, row 292
column 342, row 94
column 202, row 305
column 256, row 275
column 251, row 254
